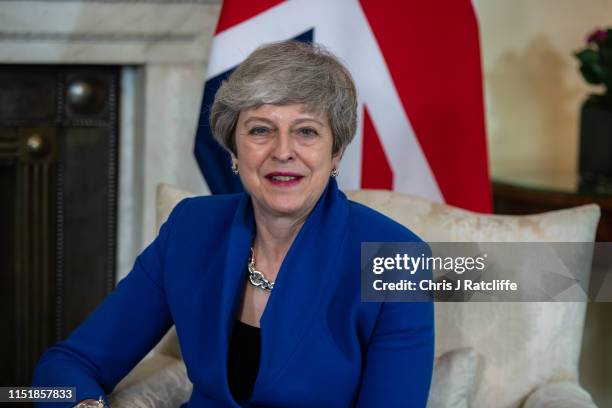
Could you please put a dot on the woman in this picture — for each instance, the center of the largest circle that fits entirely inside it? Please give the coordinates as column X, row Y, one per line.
column 264, row 287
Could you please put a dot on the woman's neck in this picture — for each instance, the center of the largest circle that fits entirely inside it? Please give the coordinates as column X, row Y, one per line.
column 273, row 238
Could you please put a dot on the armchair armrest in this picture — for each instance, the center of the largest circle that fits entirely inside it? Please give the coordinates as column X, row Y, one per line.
column 158, row 381
column 560, row 395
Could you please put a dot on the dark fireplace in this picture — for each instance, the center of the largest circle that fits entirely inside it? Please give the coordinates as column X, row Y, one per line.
column 58, row 180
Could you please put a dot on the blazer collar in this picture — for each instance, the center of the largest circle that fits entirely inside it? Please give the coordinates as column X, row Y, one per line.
column 299, row 286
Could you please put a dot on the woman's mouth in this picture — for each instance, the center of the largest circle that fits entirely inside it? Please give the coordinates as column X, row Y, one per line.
column 284, row 179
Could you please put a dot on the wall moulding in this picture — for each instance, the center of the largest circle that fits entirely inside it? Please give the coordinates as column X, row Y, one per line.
column 111, row 32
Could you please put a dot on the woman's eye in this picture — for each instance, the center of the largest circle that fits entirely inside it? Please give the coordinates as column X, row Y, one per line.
column 258, row 131
column 308, row 132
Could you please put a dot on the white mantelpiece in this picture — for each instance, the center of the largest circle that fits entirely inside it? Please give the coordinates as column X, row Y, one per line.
column 106, row 31
column 163, row 48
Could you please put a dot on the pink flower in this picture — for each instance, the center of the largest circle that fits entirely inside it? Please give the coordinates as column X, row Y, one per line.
column 598, row 36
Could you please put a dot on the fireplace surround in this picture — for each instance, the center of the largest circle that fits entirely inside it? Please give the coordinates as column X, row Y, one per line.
column 157, row 51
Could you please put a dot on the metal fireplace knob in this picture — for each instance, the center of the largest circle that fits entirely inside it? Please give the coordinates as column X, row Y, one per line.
column 86, row 96
column 36, row 144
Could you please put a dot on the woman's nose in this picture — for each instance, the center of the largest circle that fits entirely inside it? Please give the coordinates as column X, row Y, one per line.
column 283, row 151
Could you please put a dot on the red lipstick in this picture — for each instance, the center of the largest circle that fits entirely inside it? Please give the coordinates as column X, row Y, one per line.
column 284, row 179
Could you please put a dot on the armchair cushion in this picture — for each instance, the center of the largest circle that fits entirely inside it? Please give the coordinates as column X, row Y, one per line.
column 453, row 379
column 560, row 395
column 520, row 346
column 158, row 381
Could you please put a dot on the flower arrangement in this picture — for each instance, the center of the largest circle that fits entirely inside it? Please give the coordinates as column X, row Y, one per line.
column 596, row 62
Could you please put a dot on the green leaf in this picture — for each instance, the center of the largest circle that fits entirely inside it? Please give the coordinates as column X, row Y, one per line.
column 587, row 56
column 592, row 76
column 606, row 56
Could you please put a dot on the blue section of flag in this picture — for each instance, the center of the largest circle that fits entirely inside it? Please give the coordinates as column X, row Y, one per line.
column 306, row 36
column 214, row 161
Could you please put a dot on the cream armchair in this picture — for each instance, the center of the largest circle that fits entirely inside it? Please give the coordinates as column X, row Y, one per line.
column 509, row 354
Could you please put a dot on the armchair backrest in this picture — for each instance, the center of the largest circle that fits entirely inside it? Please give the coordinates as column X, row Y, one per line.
column 519, row 345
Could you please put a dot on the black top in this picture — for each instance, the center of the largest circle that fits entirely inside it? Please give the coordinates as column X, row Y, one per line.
column 243, row 360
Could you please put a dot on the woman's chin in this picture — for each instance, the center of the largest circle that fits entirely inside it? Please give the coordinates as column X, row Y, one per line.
column 285, row 208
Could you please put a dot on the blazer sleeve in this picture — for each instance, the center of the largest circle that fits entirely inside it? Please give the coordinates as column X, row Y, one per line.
column 399, row 362
column 118, row 334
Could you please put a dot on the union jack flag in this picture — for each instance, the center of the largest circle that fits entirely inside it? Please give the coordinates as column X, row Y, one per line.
column 416, row 65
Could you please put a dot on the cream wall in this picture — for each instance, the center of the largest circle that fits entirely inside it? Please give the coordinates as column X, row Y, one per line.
column 533, row 92
column 533, row 89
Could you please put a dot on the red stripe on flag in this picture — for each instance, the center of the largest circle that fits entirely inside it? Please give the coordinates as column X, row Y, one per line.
column 433, row 54
column 236, row 11
column 376, row 172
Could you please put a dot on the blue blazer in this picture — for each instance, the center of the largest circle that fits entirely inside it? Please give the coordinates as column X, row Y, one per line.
column 320, row 345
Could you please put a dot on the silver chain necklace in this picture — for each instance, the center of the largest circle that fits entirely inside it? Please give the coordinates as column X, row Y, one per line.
column 257, row 278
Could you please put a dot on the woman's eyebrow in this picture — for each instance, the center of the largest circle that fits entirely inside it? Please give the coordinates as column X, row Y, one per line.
column 302, row 120
column 258, row 118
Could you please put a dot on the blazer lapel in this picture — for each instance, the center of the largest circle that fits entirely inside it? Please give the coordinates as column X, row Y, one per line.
column 233, row 279
column 300, row 285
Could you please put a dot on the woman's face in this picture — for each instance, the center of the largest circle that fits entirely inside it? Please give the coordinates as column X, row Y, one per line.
column 284, row 155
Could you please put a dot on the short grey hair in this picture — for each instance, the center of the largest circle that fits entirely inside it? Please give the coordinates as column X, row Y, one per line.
column 286, row 73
